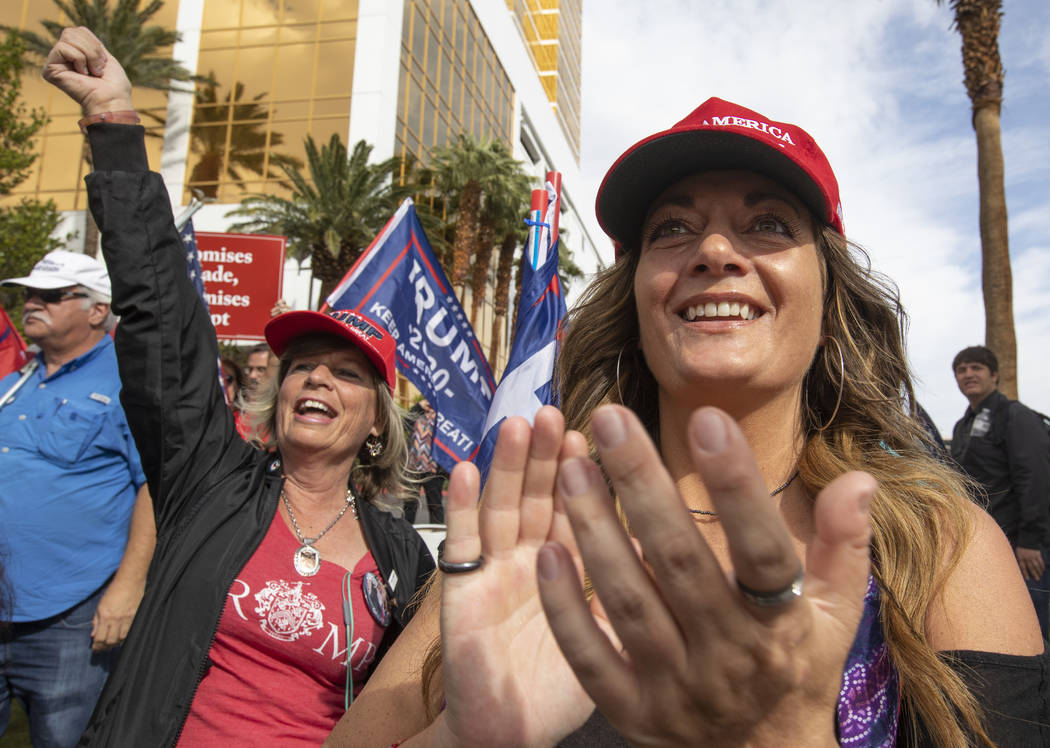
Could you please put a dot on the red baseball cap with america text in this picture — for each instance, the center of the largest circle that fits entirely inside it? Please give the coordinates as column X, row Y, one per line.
column 366, row 334
column 716, row 135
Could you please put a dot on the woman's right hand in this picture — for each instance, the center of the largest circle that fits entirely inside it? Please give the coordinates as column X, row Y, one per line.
column 704, row 658
column 506, row 682
column 84, row 70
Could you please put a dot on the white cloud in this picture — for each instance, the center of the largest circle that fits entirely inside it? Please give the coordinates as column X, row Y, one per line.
column 879, row 85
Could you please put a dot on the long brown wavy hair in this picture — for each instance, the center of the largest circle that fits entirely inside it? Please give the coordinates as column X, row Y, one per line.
column 920, row 520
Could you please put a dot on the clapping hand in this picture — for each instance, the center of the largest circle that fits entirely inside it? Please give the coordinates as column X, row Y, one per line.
column 703, row 661
column 506, row 682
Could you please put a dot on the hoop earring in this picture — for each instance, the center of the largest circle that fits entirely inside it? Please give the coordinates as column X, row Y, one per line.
column 374, row 446
column 842, row 382
column 619, row 394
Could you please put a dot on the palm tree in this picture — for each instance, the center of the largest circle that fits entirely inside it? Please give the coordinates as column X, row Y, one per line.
column 506, row 199
column 125, row 31
column 978, row 23
column 459, row 171
column 248, row 145
column 334, row 213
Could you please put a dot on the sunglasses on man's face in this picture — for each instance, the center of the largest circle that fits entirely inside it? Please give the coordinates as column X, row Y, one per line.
column 53, row 295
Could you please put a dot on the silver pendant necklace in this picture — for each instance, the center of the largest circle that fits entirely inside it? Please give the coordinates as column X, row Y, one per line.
column 779, row 489
column 307, row 559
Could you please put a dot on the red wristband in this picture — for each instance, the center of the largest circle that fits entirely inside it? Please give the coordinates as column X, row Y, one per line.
column 125, row 117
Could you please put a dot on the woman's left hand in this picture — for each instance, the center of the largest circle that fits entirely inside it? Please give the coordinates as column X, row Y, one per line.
column 700, row 663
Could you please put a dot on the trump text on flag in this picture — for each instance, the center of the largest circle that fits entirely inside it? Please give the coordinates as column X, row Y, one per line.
column 399, row 283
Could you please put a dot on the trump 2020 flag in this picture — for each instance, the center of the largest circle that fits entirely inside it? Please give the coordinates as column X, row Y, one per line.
column 527, row 382
column 399, row 283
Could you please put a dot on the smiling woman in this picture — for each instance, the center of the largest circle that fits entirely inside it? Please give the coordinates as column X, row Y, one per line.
column 784, row 562
column 280, row 578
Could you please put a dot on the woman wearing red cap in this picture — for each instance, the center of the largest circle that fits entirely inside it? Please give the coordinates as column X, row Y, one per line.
column 279, row 580
column 805, row 574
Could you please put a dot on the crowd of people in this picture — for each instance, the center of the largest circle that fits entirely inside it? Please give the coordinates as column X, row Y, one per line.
column 736, row 530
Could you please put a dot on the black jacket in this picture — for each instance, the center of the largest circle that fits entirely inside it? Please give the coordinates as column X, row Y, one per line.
column 1004, row 447
column 214, row 496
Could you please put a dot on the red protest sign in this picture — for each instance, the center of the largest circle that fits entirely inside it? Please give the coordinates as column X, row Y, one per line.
column 243, row 276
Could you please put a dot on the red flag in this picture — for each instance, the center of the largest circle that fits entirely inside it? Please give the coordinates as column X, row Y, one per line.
column 12, row 348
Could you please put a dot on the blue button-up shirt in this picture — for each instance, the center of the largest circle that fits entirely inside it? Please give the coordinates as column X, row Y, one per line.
column 69, row 473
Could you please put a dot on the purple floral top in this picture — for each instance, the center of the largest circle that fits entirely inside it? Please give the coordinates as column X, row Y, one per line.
column 869, row 700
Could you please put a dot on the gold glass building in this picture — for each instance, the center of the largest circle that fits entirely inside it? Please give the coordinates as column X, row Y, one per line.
column 404, row 75
column 552, row 30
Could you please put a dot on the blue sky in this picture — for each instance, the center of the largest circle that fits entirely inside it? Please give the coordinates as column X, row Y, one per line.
column 879, row 85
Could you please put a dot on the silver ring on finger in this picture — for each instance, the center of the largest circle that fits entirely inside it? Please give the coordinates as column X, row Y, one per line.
column 775, row 598
column 459, row 567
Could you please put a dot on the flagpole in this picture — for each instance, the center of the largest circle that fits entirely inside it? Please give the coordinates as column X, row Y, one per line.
column 187, row 214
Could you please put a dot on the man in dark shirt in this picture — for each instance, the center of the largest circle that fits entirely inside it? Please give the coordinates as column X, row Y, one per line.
column 1004, row 447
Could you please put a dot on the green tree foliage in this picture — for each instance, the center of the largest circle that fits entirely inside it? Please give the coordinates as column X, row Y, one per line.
column 26, row 226
column 335, row 209
column 124, row 28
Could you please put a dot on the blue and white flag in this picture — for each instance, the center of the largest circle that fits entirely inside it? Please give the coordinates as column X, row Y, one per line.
column 399, row 283
column 527, row 382
column 184, row 224
column 193, row 259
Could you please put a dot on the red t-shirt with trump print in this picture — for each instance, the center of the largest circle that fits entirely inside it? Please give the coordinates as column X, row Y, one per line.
column 278, row 662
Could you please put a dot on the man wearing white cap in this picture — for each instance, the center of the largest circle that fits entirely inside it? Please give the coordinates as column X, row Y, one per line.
column 76, row 525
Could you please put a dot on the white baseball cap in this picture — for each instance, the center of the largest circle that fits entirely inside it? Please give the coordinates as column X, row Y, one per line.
column 62, row 268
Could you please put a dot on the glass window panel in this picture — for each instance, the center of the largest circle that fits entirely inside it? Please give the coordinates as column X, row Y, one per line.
column 468, row 55
column 322, row 130
column 447, row 15
column 333, row 10
column 338, row 30
column 462, row 36
column 288, row 110
column 412, row 144
column 221, row 14
column 250, row 106
column 218, row 39
column 446, row 70
column 432, row 55
column 331, row 107
column 441, row 136
column 295, row 63
column 293, row 135
column 335, row 68
column 457, row 94
column 221, row 65
column 402, row 80
column 427, row 129
column 266, row 35
column 298, row 33
column 415, row 101
column 419, row 33
column 302, row 11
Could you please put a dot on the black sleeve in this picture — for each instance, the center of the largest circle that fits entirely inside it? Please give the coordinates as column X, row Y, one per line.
column 1028, row 450
column 166, row 345
column 1013, row 691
